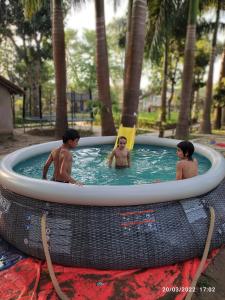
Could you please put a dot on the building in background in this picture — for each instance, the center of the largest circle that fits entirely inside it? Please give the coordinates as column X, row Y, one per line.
column 7, row 92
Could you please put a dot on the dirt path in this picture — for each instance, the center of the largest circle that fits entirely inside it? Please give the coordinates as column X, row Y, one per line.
column 21, row 140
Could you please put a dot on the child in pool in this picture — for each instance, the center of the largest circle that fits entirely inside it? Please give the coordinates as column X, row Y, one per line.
column 121, row 154
column 187, row 167
column 62, row 159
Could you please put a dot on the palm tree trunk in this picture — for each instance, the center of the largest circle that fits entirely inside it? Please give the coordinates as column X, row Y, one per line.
column 170, row 101
column 222, row 79
column 128, row 33
column 173, row 82
column 218, row 119
column 223, row 116
column 206, row 119
column 134, row 63
column 192, row 102
column 220, row 110
column 58, row 43
column 196, row 106
column 164, row 90
column 36, row 67
column 107, row 123
column 182, row 130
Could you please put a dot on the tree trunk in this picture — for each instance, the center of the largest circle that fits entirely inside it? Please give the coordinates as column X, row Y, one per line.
column 218, row 119
column 196, row 106
column 182, row 130
column 220, row 111
column 128, row 33
column 192, row 102
column 223, row 116
column 222, row 70
column 35, row 77
column 173, row 82
column 206, row 120
column 164, row 91
column 40, row 101
column 170, row 100
column 24, row 104
column 134, row 64
column 58, row 43
column 107, row 123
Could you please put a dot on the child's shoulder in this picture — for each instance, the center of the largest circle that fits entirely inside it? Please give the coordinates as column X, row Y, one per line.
column 180, row 164
column 53, row 151
column 195, row 161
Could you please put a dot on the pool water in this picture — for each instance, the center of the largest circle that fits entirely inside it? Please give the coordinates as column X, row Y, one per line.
column 90, row 165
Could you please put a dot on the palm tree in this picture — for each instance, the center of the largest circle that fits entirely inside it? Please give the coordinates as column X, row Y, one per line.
column 135, row 51
column 108, row 127
column 59, row 57
column 206, row 119
column 159, row 30
column 223, row 80
column 128, row 33
column 182, row 130
column 165, row 30
column 58, row 44
column 220, row 94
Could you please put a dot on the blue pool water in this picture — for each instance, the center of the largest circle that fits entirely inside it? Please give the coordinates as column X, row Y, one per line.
column 148, row 164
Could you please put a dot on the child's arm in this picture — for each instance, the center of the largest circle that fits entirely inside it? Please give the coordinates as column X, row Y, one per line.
column 111, row 158
column 46, row 166
column 128, row 159
column 179, row 171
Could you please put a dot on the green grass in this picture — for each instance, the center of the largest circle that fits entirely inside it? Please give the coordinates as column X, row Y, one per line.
column 146, row 120
column 155, row 116
column 219, row 131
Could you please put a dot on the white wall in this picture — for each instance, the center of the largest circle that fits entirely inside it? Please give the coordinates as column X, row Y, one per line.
column 6, row 118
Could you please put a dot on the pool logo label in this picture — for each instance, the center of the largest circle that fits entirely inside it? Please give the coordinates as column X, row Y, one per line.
column 4, row 204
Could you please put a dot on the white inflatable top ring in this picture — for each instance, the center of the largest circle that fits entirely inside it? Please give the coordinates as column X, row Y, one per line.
column 107, row 195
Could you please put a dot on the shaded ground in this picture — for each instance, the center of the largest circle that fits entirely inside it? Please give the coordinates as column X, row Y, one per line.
column 211, row 281
column 214, row 275
column 31, row 137
column 20, row 140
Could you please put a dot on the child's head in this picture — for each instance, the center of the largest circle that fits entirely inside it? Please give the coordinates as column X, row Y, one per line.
column 71, row 138
column 185, row 149
column 121, row 143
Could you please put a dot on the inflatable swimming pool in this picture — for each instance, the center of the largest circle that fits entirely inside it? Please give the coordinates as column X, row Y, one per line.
column 112, row 227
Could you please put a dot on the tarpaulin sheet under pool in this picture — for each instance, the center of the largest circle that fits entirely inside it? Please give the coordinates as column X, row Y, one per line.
column 8, row 255
column 29, row 279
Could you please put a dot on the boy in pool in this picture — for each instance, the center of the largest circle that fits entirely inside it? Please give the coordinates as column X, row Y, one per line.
column 187, row 167
column 62, row 159
column 121, row 154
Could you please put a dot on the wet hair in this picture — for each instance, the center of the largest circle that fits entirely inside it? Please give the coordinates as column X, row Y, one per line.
column 120, row 138
column 187, row 149
column 70, row 134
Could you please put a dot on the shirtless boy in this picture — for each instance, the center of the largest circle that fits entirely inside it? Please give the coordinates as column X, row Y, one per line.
column 187, row 167
column 62, row 159
column 121, row 154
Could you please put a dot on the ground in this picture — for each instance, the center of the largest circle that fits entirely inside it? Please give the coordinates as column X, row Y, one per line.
column 31, row 137
column 214, row 274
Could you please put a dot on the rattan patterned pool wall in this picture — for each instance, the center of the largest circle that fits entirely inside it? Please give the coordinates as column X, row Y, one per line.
column 113, row 237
